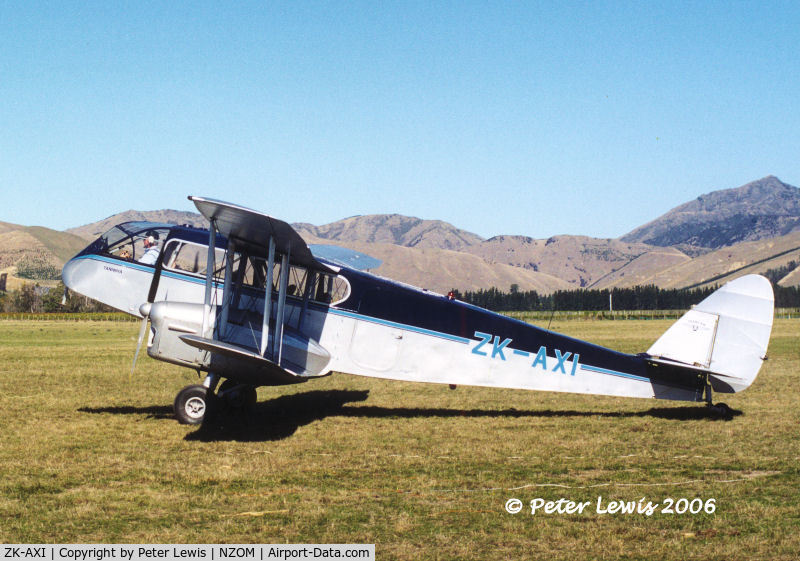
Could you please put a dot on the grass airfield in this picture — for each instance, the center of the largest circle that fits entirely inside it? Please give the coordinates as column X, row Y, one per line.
column 90, row 454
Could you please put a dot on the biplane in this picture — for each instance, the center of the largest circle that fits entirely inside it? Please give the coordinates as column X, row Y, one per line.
column 248, row 303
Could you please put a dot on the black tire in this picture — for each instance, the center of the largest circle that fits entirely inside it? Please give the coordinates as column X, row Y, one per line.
column 238, row 396
column 724, row 410
column 721, row 411
column 191, row 404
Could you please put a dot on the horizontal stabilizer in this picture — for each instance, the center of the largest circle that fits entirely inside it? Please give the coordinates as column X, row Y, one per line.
column 726, row 334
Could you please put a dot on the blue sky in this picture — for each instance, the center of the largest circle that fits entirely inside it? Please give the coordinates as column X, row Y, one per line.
column 525, row 118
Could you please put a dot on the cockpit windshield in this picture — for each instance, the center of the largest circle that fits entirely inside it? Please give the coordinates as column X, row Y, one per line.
column 133, row 241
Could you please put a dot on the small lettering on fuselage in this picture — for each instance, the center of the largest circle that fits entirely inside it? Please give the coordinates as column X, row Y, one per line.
column 490, row 346
column 113, row 269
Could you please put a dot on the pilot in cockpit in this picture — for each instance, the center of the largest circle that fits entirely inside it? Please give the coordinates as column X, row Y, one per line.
column 151, row 250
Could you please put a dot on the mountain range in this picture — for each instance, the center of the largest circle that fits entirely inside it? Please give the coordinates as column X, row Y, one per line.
column 719, row 235
column 766, row 208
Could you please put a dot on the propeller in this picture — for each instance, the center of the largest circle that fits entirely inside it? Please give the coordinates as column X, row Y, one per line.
column 144, row 309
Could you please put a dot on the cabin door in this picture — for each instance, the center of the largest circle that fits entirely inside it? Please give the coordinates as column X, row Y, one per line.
column 375, row 346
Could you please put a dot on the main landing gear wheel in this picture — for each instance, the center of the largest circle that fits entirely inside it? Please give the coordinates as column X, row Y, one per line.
column 720, row 410
column 191, row 404
column 237, row 396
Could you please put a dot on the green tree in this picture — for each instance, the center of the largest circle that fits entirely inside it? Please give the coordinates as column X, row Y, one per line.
column 25, row 299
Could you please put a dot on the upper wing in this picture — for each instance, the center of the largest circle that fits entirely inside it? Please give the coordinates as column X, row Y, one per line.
column 253, row 229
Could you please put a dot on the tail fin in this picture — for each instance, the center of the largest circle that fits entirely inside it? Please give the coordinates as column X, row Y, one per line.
column 726, row 334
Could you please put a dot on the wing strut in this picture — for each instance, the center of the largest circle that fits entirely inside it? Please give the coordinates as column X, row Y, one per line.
column 277, row 342
column 267, row 296
column 310, row 279
column 210, row 266
column 283, row 283
column 227, row 292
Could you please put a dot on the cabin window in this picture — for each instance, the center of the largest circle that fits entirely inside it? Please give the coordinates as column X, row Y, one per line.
column 255, row 275
column 327, row 288
column 330, row 289
column 190, row 257
column 296, row 285
column 255, row 272
column 127, row 241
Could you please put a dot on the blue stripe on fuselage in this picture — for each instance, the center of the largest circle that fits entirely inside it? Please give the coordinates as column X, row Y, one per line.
column 405, row 327
column 599, row 370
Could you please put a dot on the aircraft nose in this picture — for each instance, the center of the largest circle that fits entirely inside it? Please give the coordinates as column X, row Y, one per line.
column 68, row 274
column 144, row 309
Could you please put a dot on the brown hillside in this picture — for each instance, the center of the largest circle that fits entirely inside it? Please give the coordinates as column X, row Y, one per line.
column 17, row 244
column 35, row 253
column 61, row 244
column 7, row 227
column 440, row 270
column 740, row 259
column 395, row 229
column 19, row 248
column 761, row 209
column 643, row 269
column 95, row 229
column 792, row 279
column 579, row 260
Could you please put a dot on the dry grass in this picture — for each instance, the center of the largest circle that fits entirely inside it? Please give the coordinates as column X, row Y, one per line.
column 88, row 455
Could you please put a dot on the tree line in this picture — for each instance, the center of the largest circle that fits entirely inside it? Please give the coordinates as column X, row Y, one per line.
column 33, row 298
column 649, row 297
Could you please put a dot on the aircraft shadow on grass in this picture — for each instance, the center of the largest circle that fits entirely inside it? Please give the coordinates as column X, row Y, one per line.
column 151, row 411
column 279, row 418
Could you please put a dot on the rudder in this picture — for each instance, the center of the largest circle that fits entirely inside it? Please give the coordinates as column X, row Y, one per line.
column 726, row 334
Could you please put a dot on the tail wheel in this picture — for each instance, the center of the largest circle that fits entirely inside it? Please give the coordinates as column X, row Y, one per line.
column 191, row 404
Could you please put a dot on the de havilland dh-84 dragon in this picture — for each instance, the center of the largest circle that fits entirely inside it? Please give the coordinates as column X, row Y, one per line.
column 248, row 303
